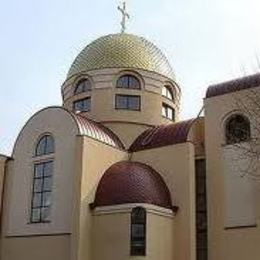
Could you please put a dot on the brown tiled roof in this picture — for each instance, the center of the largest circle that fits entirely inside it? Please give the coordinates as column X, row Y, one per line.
column 251, row 81
column 162, row 135
column 97, row 131
column 132, row 182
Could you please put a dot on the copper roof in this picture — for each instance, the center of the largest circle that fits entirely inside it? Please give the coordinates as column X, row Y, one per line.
column 162, row 135
column 97, row 131
column 132, row 182
column 251, row 81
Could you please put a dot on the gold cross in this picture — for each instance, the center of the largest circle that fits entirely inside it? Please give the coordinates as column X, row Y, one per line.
column 124, row 16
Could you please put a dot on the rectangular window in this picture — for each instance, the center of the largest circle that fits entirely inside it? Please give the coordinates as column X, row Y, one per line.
column 201, row 210
column 128, row 102
column 42, row 192
column 168, row 112
column 138, row 232
column 83, row 105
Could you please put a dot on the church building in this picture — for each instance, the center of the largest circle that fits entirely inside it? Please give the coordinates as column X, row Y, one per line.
column 115, row 173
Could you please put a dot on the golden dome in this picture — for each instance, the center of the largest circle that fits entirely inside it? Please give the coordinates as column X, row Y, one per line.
column 121, row 51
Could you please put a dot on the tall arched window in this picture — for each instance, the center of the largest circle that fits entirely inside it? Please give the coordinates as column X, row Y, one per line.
column 128, row 81
column 83, row 85
column 42, row 181
column 45, row 145
column 167, row 92
column 138, row 231
column 237, row 129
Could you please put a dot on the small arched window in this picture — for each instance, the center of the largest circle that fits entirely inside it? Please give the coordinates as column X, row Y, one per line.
column 45, row 146
column 83, row 85
column 138, row 231
column 128, row 81
column 237, row 129
column 167, row 92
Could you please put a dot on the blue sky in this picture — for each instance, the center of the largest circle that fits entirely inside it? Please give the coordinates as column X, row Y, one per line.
column 206, row 41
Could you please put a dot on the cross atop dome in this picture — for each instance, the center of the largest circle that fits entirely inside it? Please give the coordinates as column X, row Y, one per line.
column 125, row 16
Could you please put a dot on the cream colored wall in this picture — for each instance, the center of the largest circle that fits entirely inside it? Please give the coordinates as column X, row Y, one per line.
column 40, row 248
column 17, row 199
column 197, row 136
column 176, row 165
column 127, row 132
column 95, row 159
column 3, row 165
column 111, row 240
column 240, row 197
column 236, row 244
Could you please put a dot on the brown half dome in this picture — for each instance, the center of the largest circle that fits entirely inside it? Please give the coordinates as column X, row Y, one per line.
column 132, row 182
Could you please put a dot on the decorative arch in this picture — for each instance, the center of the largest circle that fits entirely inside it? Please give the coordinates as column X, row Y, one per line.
column 82, row 85
column 168, row 92
column 129, row 80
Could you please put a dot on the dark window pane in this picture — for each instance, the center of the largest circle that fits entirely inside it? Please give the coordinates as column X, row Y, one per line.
column 83, row 86
column 47, row 184
column 49, row 145
column 164, row 111
column 37, row 200
column 48, row 169
column 202, row 254
column 47, row 199
column 45, row 145
column 128, row 81
column 36, row 215
column 42, row 195
column 167, row 92
column 38, row 170
column 45, row 214
column 201, row 209
column 128, row 102
column 133, row 103
column 202, row 240
column 138, row 230
column 134, row 83
column 121, row 102
column 83, row 105
column 40, row 150
column 37, row 185
column 168, row 112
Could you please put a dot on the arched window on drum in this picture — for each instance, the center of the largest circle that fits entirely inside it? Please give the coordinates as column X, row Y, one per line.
column 128, row 81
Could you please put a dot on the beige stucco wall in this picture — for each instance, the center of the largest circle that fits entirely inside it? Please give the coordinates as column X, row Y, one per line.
column 19, row 238
column 111, row 239
column 17, row 200
column 176, row 165
column 126, row 131
column 197, row 136
column 95, row 159
column 240, row 243
column 40, row 248
column 3, row 167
